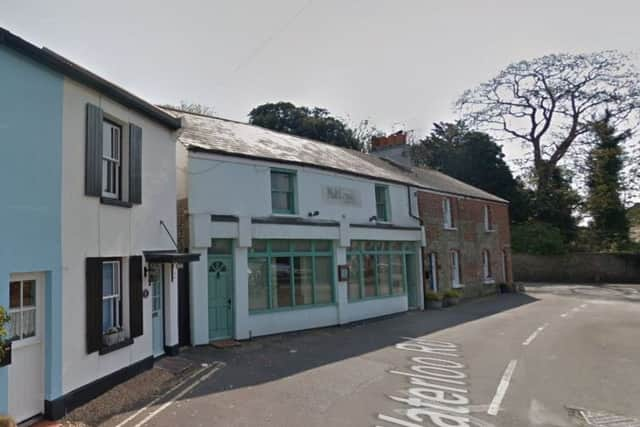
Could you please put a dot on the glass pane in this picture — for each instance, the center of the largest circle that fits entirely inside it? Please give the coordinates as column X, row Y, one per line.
column 220, row 246
column 324, row 280
column 108, row 314
column 29, row 293
column 107, row 279
column 303, row 276
column 280, row 181
column 29, row 323
column 356, row 245
column 397, row 276
column 14, row 326
column 280, row 201
column 323, row 245
column 395, row 246
column 383, row 275
column 280, row 246
column 354, row 277
column 381, row 212
column 281, row 278
column 258, row 284
column 302, row 245
column 14, row 295
column 369, row 266
column 370, row 245
column 259, row 245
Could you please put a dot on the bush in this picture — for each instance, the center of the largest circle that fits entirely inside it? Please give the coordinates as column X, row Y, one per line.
column 432, row 296
column 537, row 238
column 452, row 293
column 4, row 319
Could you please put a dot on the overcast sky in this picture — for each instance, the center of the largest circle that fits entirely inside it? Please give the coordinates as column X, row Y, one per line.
column 397, row 63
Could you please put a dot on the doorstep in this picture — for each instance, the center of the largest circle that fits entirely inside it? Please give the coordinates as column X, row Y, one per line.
column 222, row 344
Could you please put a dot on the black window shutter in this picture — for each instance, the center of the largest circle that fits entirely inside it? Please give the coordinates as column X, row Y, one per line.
column 135, row 164
column 93, row 152
column 94, row 304
column 135, row 296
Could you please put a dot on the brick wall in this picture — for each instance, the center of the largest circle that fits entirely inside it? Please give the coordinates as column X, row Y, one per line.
column 470, row 239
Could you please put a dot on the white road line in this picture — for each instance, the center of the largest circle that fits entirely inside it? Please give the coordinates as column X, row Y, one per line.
column 178, row 396
column 564, row 314
column 494, row 407
column 154, row 401
column 583, row 306
column 535, row 334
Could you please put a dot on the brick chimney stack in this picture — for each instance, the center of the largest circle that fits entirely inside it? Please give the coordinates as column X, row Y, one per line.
column 393, row 147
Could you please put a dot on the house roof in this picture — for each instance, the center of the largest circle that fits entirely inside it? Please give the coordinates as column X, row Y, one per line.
column 227, row 137
column 74, row 71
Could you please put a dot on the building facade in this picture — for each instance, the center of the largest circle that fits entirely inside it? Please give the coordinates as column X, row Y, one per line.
column 292, row 234
column 91, row 268
column 468, row 234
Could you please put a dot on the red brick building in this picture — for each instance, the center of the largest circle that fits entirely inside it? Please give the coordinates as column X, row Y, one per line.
column 468, row 236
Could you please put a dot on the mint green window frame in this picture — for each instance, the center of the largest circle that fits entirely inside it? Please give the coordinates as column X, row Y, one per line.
column 290, row 192
column 383, row 210
column 269, row 253
column 380, row 250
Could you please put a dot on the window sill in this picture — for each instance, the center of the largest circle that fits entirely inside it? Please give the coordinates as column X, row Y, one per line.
column 286, row 214
column 489, row 281
column 108, row 349
column 459, row 286
column 450, row 228
column 115, row 202
column 493, row 230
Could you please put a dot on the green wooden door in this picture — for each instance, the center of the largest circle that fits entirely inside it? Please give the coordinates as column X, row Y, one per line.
column 220, row 298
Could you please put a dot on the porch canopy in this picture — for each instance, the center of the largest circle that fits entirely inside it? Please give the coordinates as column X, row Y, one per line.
column 170, row 257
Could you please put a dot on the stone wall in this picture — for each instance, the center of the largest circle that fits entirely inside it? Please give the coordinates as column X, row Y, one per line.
column 577, row 268
column 469, row 237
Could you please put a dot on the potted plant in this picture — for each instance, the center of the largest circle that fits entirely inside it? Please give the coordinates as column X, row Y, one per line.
column 5, row 346
column 452, row 297
column 112, row 336
column 433, row 300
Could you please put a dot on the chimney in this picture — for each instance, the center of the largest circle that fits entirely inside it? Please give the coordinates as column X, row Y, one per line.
column 393, row 147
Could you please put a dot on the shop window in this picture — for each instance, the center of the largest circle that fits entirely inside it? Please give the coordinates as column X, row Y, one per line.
column 378, row 268
column 283, row 191
column 382, row 203
column 290, row 273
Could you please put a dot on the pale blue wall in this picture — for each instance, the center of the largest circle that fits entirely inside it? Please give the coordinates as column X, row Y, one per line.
column 30, row 197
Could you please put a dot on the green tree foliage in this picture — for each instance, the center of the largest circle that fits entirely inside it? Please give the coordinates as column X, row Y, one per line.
column 313, row 123
column 609, row 225
column 4, row 319
column 474, row 158
column 554, row 201
column 537, row 238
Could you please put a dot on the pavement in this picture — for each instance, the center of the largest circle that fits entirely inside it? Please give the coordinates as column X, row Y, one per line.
column 557, row 355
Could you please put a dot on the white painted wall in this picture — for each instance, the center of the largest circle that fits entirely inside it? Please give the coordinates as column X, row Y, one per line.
column 90, row 229
column 225, row 185
column 234, row 186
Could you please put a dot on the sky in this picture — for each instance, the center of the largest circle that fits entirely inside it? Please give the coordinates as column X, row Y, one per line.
column 400, row 64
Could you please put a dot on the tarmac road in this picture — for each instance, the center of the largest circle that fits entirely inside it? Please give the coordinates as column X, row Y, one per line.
column 550, row 357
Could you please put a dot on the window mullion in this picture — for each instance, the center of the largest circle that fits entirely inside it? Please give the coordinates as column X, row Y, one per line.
column 292, row 280
column 313, row 279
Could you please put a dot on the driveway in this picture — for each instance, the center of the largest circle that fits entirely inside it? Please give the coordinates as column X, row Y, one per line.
column 549, row 357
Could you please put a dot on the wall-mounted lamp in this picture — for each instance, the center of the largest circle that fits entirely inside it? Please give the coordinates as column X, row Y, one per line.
column 373, row 218
column 314, row 213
